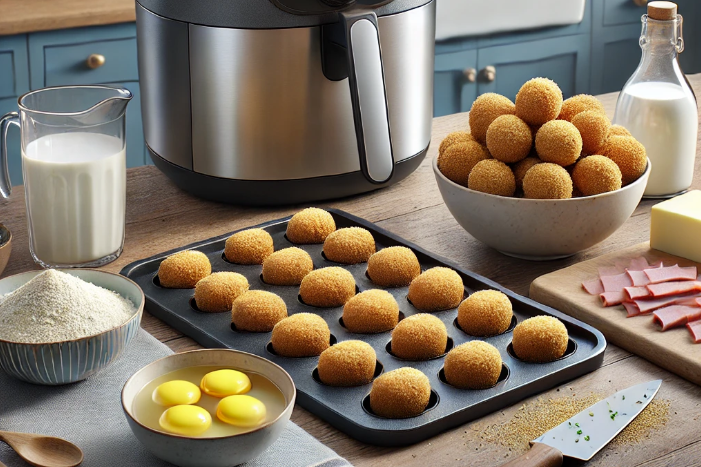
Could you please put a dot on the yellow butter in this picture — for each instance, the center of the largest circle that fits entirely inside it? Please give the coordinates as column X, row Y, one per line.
column 675, row 226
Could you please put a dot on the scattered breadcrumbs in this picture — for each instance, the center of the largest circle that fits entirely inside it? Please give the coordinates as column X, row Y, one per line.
column 653, row 417
column 535, row 418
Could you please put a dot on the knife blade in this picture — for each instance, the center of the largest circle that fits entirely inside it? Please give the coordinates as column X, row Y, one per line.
column 583, row 435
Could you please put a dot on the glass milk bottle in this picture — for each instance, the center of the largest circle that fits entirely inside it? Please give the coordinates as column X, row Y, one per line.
column 657, row 105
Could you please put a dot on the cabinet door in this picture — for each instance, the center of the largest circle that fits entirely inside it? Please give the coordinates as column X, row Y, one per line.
column 453, row 92
column 564, row 60
column 616, row 54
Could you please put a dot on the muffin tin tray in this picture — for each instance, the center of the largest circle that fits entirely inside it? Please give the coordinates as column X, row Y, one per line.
column 347, row 408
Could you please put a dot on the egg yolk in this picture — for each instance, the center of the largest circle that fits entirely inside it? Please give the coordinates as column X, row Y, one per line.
column 188, row 420
column 222, row 383
column 176, row 392
column 242, row 411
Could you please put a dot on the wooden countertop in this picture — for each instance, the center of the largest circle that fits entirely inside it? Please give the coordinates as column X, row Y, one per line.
column 161, row 217
column 20, row 16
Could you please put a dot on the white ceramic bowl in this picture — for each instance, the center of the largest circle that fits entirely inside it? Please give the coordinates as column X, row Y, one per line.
column 66, row 362
column 540, row 229
column 225, row 451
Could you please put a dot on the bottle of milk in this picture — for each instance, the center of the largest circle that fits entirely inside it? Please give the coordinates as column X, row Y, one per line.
column 658, row 106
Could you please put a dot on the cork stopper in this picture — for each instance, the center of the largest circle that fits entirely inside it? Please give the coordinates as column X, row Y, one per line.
column 662, row 11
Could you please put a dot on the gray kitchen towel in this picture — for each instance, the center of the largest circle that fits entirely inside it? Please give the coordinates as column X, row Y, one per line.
column 89, row 414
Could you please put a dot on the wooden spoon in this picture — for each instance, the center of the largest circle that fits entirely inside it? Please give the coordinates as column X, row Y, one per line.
column 43, row 451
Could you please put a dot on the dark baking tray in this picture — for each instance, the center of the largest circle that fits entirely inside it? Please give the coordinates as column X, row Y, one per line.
column 346, row 408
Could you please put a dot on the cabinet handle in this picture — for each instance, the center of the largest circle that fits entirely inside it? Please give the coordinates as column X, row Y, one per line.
column 490, row 73
column 640, row 2
column 95, row 61
column 470, row 74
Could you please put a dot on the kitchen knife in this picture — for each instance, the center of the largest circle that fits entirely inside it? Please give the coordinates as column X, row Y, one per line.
column 586, row 433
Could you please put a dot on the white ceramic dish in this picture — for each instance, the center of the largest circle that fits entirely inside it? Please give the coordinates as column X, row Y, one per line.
column 66, row 362
column 540, row 229
column 225, row 451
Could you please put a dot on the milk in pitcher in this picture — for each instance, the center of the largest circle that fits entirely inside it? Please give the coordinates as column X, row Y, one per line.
column 76, row 196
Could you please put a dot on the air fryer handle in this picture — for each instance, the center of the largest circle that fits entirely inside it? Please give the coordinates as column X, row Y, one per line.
column 368, row 94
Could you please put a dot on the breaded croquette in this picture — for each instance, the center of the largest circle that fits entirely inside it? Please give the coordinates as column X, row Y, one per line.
column 401, row 393
column 628, row 154
column 596, row 174
column 419, row 337
column 436, row 289
column 538, row 101
column 250, row 246
column 455, row 137
column 257, row 311
column 509, row 139
column 493, row 177
column 350, row 245
column 184, row 269
column 473, row 365
column 485, row 109
column 217, row 292
column 311, row 225
column 371, row 311
column 394, row 266
column 485, row 313
column 457, row 161
column 301, row 335
column 559, row 142
column 580, row 103
column 547, row 181
column 287, row 266
column 540, row 339
column 327, row 287
column 520, row 169
column 593, row 126
column 348, row 363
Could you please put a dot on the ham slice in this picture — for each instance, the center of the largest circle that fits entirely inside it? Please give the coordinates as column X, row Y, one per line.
column 593, row 287
column 612, row 298
column 616, row 283
column 676, row 315
column 631, row 308
column 666, row 289
column 638, row 264
column 669, row 274
column 646, row 306
column 639, row 278
column 636, row 293
column 610, row 271
column 695, row 329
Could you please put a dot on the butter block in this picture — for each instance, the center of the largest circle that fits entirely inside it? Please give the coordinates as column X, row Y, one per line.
column 675, row 226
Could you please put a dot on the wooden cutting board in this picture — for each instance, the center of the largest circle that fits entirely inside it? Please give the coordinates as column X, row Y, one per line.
column 673, row 350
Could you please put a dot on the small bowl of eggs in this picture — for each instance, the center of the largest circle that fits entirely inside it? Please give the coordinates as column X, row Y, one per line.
column 208, row 408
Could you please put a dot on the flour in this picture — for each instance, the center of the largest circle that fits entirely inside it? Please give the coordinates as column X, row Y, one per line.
column 55, row 306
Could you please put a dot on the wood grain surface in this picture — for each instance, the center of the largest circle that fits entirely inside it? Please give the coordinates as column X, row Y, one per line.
column 161, row 217
column 673, row 349
column 20, row 16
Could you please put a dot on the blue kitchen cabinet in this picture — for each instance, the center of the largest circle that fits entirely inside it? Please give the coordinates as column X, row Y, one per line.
column 58, row 58
column 564, row 60
column 454, row 83
column 14, row 81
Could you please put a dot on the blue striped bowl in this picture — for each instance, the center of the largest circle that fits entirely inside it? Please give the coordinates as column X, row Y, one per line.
column 70, row 361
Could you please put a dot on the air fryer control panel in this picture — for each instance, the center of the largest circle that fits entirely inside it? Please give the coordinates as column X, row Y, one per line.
column 320, row 7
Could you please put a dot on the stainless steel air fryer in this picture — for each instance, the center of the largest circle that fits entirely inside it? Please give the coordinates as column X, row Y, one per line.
column 286, row 101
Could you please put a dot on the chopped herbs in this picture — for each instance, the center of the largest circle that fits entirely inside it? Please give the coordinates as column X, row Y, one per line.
column 591, row 414
column 586, row 438
column 579, row 432
column 577, row 425
column 613, row 415
column 570, row 423
column 624, row 397
column 576, row 440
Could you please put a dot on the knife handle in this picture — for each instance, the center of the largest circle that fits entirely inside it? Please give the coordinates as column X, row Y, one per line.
column 540, row 455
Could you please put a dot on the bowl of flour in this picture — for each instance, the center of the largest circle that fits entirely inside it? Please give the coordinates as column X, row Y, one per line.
column 61, row 326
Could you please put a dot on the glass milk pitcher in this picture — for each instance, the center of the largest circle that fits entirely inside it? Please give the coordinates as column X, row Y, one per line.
column 658, row 106
column 74, row 167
